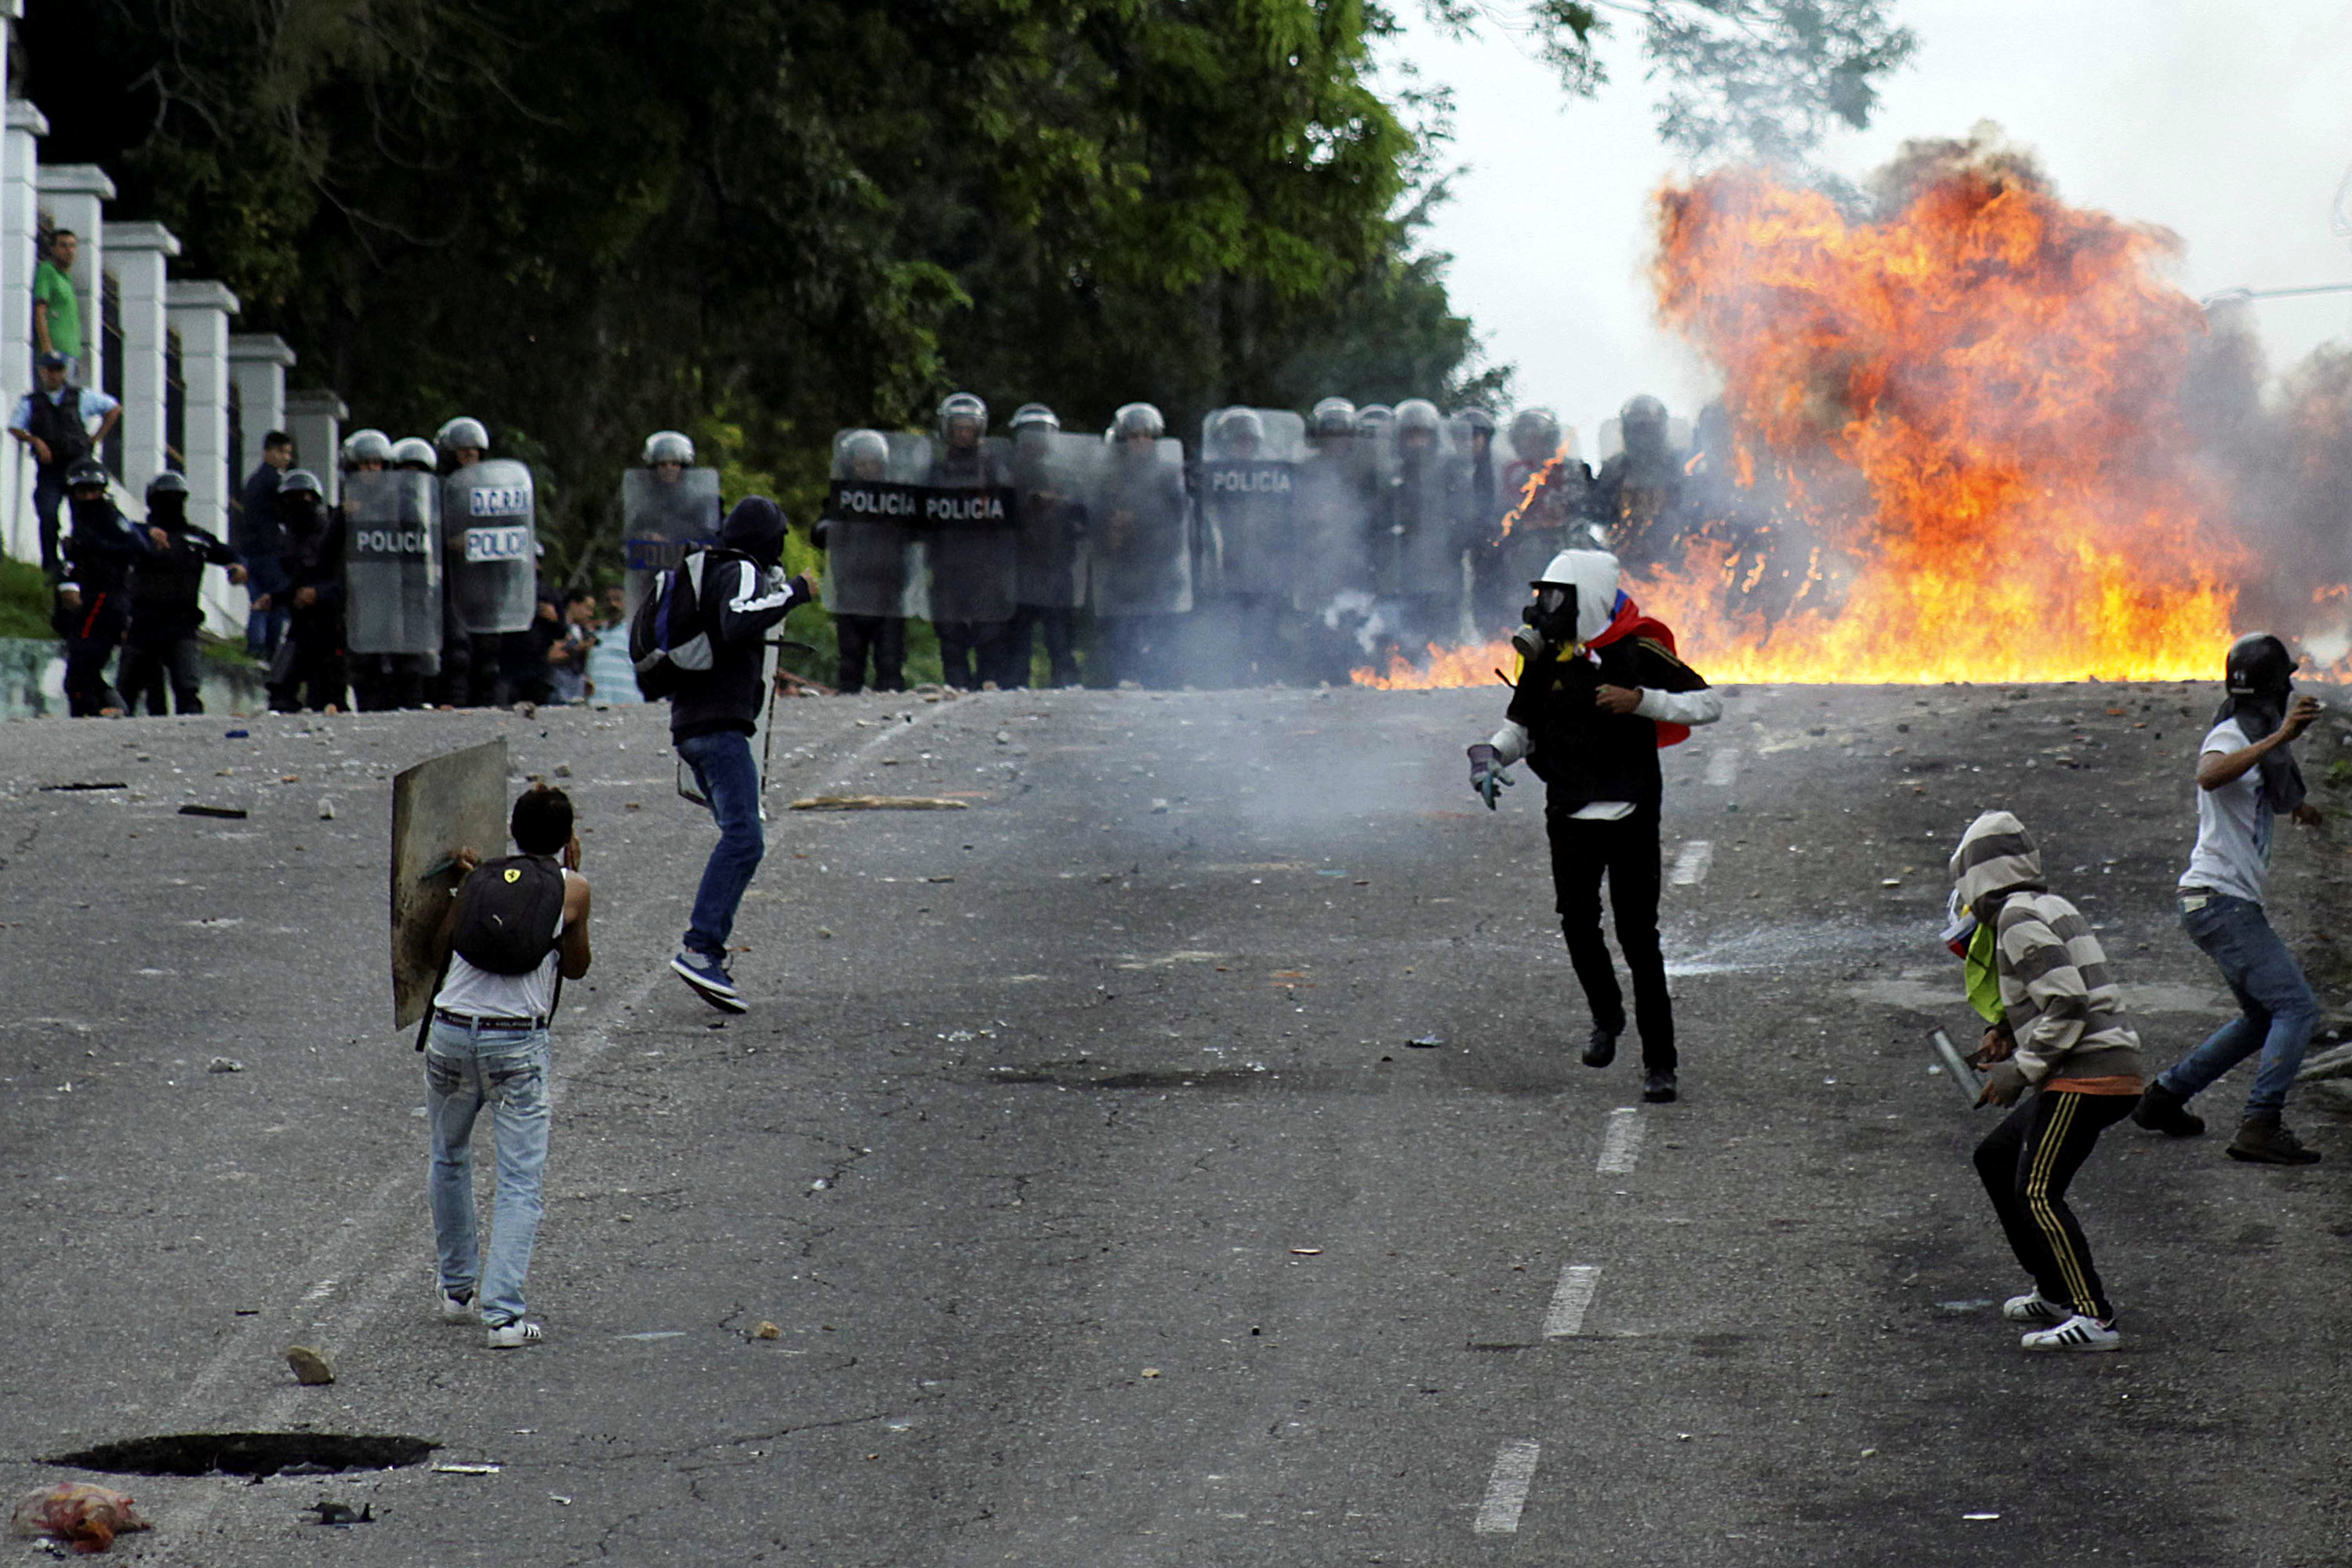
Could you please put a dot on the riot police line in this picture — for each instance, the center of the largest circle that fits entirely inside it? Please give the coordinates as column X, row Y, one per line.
column 1281, row 548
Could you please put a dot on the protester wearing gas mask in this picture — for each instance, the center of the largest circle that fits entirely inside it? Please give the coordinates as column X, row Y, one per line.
column 1601, row 690
column 2246, row 778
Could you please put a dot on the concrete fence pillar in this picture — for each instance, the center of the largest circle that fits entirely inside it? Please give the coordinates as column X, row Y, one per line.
column 258, row 363
column 199, row 313
column 315, row 420
column 138, row 255
column 20, row 211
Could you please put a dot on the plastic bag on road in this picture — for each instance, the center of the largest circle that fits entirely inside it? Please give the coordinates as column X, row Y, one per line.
column 87, row 1517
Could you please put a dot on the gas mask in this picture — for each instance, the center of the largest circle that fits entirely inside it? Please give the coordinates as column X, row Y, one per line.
column 1548, row 622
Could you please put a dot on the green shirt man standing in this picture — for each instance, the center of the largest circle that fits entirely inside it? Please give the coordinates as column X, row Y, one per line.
column 57, row 308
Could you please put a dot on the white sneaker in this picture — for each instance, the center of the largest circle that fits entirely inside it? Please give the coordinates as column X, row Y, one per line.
column 453, row 1310
column 2034, row 1308
column 2076, row 1333
column 515, row 1335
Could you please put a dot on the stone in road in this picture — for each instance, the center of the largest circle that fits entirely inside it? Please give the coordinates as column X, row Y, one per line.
column 1105, row 1213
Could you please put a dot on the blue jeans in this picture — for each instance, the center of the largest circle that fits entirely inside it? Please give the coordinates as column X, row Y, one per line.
column 723, row 767
column 463, row 1069
column 265, row 629
column 2279, row 1011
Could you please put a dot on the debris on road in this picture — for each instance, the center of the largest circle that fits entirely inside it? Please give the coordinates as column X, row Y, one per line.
column 228, row 813
column 767, row 1330
column 326, row 808
column 226, row 1064
column 342, row 1514
column 79, row 788
column 877, row 803
column 483, row 1469
column 85, row 1517
column 312, row 1367
column 1306, row 1252
column 1152, row 1372
column 1426, row 1042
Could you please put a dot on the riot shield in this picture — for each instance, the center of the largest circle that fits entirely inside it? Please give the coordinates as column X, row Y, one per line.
column 1421, row 530
column 489, row 526
column 661, row 520
column 971, row 534
column 1139, row 555
column 1331, row 506
column 392, row 563
column 1054, row 477
column 439, row 807
column 1249, row 468
column 871, row 517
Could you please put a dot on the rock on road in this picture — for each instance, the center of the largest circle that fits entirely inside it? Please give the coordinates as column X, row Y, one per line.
column 1077, row 1145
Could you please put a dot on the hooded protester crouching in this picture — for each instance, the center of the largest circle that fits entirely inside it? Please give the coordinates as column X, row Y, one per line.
column 713, row 716
column 2246, row 778
column 1601, row 690
column 2062, row 1052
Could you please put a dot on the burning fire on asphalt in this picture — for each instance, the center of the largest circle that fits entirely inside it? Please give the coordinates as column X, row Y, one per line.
column 1956, row 441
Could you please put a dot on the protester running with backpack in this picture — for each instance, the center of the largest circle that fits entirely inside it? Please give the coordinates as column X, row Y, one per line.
column 699, row 640
column 517, row 928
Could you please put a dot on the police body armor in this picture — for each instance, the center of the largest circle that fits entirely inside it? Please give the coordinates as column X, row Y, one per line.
column 1420, row 527
column 491, row 533
column 1139, row 556
column 1549, row 519
column 970, row 534
column 870, row 522
column 661, row 520
column 1248, row 492
column 1054, row 477
column 392, row 563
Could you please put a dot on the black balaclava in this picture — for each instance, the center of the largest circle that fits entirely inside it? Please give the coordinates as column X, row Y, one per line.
column 756, row 528
column 168, row 510
column 2260, row 679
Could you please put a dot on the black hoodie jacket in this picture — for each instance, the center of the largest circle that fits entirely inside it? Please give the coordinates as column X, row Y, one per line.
column 166, row 586
column 743, row 594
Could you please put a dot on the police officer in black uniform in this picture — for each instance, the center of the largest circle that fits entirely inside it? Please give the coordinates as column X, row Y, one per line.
column 166, row 610
column 93, row 601
column 309, row 669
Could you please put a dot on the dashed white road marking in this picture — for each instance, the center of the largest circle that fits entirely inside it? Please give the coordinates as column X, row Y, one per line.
column 1506, row 1488
column 1723, row 766
column 1565, row 1318
column 1622, row 1145
column 1690, row 865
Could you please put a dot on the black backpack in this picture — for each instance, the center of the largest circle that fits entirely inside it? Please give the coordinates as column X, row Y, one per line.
column 668, row 640
column 507, row 914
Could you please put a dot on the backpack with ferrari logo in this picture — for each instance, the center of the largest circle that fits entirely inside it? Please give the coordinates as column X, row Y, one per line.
column 508, row 912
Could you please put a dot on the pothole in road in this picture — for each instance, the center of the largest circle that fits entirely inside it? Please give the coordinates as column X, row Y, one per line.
column 254, row 1454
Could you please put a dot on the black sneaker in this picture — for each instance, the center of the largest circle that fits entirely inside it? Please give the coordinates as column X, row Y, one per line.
column 1601, row 1049
column 2263, row 1141
column 1658, row 1088
column 2162, row 1110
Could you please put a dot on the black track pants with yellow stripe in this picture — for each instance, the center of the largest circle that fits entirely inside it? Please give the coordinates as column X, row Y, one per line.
column 2026, row 1164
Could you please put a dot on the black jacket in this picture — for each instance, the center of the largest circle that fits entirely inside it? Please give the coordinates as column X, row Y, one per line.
column 254, row 528
column 1581, row 752
column 100, row 546
column 311, row 555
column 743, row 594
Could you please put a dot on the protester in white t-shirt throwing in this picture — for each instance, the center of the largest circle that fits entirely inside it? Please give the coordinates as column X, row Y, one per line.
column 2246, row 778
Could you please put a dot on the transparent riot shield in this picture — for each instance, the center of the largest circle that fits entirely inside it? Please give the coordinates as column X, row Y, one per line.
column 1421, row 528
column 1248, row 483
column 1054, row 477
column 1543, row 495
column 1331, row 504
column 971, row 532
column 871, row 518
column 490, row 529
column 661, row 520
column 392, row 563
column 1139, row 556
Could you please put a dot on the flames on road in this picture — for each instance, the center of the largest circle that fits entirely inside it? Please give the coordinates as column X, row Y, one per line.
column 1952, row 444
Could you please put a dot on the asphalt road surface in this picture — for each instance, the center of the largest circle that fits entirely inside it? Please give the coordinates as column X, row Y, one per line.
column 1080, row 1148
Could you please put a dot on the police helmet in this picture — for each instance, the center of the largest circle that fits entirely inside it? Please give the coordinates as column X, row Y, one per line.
column 88, row 471
column 1418, row 416
column 366, row 446
column 1236, row 426
column 412, row 452
column 461, row 433
column 1643, row 413
column 1476, row 419
column 669, row 447
column 1332, row 416
column 1374, row 418
column 299, row 481
column 1137, row 419
column 863, row 445
column 1035, row 414
column 167, row 483
column 1535, row 433
column 962, row 405
column 2260, row 665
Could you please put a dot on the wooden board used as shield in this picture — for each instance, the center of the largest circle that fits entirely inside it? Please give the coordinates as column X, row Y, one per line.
column 438, row 808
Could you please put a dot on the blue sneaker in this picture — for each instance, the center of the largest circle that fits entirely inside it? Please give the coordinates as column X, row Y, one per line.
column 708, row 979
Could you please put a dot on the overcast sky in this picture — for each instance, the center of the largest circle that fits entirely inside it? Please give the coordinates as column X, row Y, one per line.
column 2230, row 123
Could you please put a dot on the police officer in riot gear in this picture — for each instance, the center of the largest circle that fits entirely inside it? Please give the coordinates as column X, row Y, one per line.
column 463, row 442
column 1141, row 569
column 1541, row 523
column 1247, row 482
column 413, row 454
column 1480, row 514
column 1636, row 499
column 870, row 568
column 166, row 610
column 970, row 649
column 669, row 450
column 372, row 675
column 1420, row 558
column 1053, row 515
column 1331, row 576
column 309, row 670
column 366, row 451
column 98, row 553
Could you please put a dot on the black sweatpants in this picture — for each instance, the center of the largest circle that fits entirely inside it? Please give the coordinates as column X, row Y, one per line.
column 1060, row 627
column 1626, row 854
column 148, row 661
column 882, row 637
column 2026, row 1164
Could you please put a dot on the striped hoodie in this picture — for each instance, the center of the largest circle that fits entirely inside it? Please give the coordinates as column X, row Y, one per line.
column 2059, row 995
